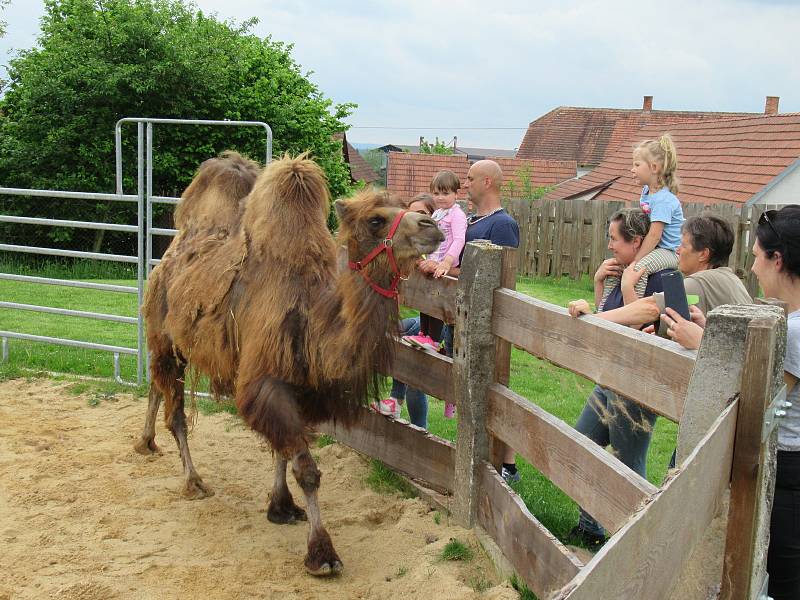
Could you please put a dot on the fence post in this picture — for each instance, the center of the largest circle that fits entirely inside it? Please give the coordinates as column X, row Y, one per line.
column 473, row 370
column 716, row 377
column 753, row 469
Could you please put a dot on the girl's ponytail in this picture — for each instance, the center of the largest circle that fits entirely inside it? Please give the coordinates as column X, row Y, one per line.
column 669, row 177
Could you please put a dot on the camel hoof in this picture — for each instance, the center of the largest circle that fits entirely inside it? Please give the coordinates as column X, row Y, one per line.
column 146, row 447
column 326, row 570
column 286, row 515
column 196, row 489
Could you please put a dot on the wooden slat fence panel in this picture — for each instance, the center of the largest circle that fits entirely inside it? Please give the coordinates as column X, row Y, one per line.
column 644, row 558
column 400, row 445
column 652, row 371
column 594, row 478
column 423, row 370
column 548, row 235
column 434, row 297
column 540, row 559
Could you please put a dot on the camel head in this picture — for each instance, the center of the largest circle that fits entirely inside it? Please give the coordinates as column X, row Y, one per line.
column 366, row 221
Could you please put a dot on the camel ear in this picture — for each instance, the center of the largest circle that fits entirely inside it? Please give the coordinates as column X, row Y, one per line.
column 341, row 209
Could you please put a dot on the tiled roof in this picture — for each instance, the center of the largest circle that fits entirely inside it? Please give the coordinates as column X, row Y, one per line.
column 584, row 134
column 725, row 160
column 359, row 168
column 410, row 174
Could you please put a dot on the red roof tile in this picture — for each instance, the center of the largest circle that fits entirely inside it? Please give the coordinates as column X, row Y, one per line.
column 722, row 160
column 410, row 174
column 359, row 168
column 584, row 134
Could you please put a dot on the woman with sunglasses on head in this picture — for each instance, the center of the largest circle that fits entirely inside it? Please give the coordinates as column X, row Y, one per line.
column 777, row 267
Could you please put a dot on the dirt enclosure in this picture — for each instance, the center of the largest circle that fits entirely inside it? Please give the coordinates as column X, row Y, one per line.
column 82, row 516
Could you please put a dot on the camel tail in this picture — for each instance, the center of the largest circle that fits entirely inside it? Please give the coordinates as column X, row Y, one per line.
column 292, row 184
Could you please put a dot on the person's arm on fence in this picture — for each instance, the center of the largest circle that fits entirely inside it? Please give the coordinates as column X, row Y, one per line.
column 634, row 314
column 687, row 333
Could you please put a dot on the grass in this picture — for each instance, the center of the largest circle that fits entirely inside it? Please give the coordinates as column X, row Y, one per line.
column 559, row 392
column 383, row 480
column 456, row 550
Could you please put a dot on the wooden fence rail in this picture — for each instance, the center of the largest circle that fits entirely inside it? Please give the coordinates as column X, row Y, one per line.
column 653, row 533
column 568, row 237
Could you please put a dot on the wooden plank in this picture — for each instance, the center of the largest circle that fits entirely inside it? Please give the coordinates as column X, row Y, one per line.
column 599, row 231
column 473, row 371
column 645, row 557
column 576, row 264
column 401, row 446
column 424, row 370
column 545, row 237
column 539, row 558
column 652, row 371
column 528, row 265
column 594, row 478
column 739, row 582
column 558, row 239
column 502, row 351
column 434, row 297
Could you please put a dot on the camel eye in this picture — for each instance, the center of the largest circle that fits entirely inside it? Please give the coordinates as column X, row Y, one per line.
column 376, row 221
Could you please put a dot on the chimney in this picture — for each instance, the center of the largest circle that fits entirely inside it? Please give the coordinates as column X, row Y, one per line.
column 648, row 103
column 771, row 107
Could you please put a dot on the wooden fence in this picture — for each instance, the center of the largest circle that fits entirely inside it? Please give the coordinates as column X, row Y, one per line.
column 568, row 237
column 653, row 533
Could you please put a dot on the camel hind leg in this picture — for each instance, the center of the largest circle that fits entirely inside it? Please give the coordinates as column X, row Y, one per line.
column 146, row 443
column 167, row 372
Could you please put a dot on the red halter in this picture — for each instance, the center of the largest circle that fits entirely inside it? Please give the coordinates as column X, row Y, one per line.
column 386, row 244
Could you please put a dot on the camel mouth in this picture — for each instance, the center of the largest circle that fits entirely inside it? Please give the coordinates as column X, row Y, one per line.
column 427, row 245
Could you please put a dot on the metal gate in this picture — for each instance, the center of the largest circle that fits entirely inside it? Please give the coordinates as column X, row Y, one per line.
column 144, row 260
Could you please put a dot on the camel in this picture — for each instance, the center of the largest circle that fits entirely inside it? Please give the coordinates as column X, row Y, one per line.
column 249, row 294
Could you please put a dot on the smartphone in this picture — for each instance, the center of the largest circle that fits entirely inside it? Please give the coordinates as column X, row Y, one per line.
column 675, row 293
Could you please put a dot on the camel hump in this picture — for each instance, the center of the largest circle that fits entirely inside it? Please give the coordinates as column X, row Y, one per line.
column 289, row 189
column 215, row 198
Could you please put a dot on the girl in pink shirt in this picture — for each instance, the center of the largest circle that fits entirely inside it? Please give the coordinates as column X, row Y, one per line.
column 452, row 223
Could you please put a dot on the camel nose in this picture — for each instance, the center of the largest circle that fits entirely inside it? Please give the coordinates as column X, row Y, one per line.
column 426, row 222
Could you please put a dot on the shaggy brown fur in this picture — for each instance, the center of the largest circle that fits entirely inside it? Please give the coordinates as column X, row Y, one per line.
column 249, row 294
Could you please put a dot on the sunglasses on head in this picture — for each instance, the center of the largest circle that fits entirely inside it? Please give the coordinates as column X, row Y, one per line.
column 766, row 217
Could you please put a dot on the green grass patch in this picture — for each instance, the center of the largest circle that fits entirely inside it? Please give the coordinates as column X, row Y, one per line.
column 325, row 440
column 524, row 592
column 456, row 550
column 383, row 480
column 210, row 406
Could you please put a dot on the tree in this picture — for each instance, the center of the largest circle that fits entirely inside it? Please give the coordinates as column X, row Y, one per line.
column 100, row 60
column 436, row 148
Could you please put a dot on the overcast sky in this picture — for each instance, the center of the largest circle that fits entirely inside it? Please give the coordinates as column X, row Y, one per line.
column 483, row 70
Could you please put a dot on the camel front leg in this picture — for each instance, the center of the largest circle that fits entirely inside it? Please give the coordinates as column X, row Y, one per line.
column 146, row 444
column 321, row 558
column 282, row 508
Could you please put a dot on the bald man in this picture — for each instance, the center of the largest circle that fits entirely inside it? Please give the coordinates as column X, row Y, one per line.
column 491, row 222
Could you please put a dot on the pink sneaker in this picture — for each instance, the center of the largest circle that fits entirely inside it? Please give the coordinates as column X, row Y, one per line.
column 422, row 341
column 388, row 407
column 449, row 410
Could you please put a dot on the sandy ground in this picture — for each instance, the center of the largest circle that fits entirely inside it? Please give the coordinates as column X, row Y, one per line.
column 83, row 517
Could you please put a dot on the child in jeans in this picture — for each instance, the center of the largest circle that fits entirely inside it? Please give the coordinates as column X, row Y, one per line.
column 452, row 223
column 654, row 166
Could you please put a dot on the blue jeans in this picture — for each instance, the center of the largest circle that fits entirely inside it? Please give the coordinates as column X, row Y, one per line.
column 609, row 419
column 416, row 400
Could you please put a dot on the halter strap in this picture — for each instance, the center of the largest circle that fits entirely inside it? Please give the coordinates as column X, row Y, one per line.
column 386, row 244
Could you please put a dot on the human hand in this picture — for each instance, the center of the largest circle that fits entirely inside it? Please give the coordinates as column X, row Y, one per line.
column 578, row 308
column 687, row 333
column 441, row 269
column 427, row 266
column 631, row 276
column 651, row 329
column 697, row 316
column 608, row 268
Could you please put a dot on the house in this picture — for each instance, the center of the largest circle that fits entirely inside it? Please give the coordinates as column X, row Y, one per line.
column 473, row 154
column 410, row 174
column 586, row 134
column 742, row 160
column 359, row 168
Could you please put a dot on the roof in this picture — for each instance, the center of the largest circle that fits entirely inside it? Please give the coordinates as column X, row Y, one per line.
column 584, row 134
column 359, row 168
column 724, row 160
column 411, row 174
column 474, row 153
